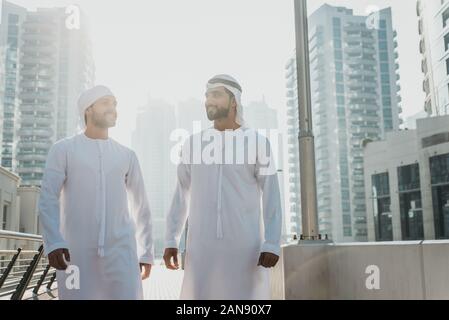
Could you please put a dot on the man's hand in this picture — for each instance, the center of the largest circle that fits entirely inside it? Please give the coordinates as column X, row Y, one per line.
column 145, row 270
column 168, row 255
column 56, row 258
column 268, row 260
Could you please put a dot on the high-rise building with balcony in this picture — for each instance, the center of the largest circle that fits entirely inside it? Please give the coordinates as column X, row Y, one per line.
column 292, row 198
column 12, row 18
column 259, row 116
column 151, row 141
column 433, row 27
column 55, row 66
column 355, row 97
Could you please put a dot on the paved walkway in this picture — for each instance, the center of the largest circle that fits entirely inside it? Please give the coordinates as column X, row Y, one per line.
column 163, row 284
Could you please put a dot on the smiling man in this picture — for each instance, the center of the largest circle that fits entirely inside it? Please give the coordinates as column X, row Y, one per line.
column 83, row 209
column 234, row 208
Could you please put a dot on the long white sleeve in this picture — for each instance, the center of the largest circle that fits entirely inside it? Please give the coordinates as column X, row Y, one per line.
column 271, row 205
column 140, row 210
column 177, row 215
column 49, row 205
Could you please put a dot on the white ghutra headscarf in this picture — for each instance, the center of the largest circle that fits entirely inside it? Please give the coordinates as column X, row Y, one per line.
column 230, row 83
column 88, row 98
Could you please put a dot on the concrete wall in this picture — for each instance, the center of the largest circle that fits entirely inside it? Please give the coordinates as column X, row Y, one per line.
column 302, row 267
column 22, row 214
column 29, row 197
column 9, row 183
column 406, row 270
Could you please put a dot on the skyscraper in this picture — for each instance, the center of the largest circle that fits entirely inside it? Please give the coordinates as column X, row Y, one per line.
column 292, row 199
column 355, row 97
column 259, row 116
column 10, row 38
column 56, row 64
column 151, row 142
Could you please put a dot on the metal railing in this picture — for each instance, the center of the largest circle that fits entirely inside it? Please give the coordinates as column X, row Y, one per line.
column 24, row 273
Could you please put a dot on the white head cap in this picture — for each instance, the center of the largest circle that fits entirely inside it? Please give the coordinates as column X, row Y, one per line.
column 88, row 98
column 230, row 83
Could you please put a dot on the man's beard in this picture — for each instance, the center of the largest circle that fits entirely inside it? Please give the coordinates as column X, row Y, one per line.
column 216, row 113
column 102, row 121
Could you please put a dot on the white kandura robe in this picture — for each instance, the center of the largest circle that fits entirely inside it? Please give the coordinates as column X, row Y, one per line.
column 224, row 204
column 84, row 207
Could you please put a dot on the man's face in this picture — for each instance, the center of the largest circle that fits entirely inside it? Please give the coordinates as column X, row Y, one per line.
column 103, row 113
column 218, row 103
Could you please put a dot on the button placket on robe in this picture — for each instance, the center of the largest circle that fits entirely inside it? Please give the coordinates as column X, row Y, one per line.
column 233, row 193
column 101, row 237
column 220, row 186
column 219, row 213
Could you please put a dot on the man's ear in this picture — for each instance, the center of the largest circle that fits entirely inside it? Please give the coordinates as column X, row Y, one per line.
column 85, row 113
column 234, row 103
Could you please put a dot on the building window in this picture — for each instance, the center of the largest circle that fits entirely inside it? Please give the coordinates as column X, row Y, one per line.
column 386, row 90
column 337, row 34
column 445, row 16
column 440, row 197
column 13, row 30
column 408, row 177
column 338, row 55
column 5, row 216
column 426, row 86
column 13, row 19
column 411, row 216
column 339, row 66
column 435, row 139
column 385, row 78
column 384, row 67
column 387, row 113
column 339, row 77
column 439, row 172
column 388, row 124
column 340, row 100
column 410, row 202
column 336, row 22
column 344, row 183
column 347, row 232
column 422, row 46
column 428, row 107
column 340, row 89
column 446, row 42
column 386, row 101
column 381, row 207
column 424, row 68
column 381, row 186
column 383, row 56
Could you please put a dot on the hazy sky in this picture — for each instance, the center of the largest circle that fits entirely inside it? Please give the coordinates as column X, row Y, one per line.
column 168, row 49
